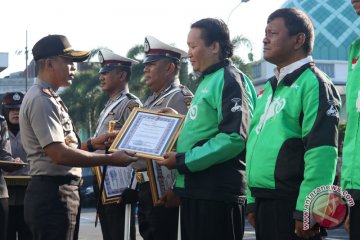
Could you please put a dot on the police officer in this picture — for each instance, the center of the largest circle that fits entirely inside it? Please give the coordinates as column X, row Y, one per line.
column 52, row 145
column 10, row 109
column 115, row 74
column 162, row 65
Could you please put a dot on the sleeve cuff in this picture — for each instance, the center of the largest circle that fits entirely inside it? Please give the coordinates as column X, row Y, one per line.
column 298, row 215
column 180, row 163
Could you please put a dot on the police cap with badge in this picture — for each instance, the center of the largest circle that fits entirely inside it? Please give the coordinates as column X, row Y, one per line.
column 57, row 45
column 156, row 50
column 110, row 61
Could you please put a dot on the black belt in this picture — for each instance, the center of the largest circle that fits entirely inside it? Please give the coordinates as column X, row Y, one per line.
column 61, row 180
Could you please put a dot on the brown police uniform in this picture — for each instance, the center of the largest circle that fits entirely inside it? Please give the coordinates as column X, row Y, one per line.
column 159, row 222
column 112, row 215
column 52, row 199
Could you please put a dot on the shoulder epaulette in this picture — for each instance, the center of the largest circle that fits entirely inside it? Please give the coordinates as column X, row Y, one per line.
column 47, row 92
column 185, row 91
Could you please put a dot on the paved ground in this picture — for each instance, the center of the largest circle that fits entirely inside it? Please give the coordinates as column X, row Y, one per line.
column 89, row 232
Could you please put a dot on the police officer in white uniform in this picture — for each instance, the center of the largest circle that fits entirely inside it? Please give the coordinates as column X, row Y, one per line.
column 115, row 74
column 52, row 145
column 162, row 66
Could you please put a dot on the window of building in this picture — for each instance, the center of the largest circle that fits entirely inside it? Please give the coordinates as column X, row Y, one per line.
column 327, row 68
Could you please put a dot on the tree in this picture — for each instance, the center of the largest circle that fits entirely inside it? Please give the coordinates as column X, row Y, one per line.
column 85, row 100
column 241, row 41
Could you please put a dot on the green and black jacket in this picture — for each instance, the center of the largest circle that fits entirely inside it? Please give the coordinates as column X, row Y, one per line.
column 292, row 145
column 350, row 170
column 211, row 144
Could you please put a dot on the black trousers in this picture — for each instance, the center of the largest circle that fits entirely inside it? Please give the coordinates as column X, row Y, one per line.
column 50, row 209
column 112, row 219
column 155, row 223
column 354, row 221
column 211, row 220
column 274, row 220
column 17, row 224
column 4, row 211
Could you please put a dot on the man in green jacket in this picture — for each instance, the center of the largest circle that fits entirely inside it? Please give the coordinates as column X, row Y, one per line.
column 292, row 145
column 350, row 174
column 210, row 158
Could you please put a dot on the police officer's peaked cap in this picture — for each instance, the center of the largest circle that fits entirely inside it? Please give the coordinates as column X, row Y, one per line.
column 155, row 50
column 110, row 61
column 12, row 100
column 57, row 45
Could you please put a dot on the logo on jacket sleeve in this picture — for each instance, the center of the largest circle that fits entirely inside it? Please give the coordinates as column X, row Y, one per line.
column 354, row 62
column 333, row 111
column 192, row 113
column 237, row 107
column 272, row 108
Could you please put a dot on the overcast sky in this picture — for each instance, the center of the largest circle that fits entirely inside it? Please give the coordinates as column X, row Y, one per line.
column 119, row 24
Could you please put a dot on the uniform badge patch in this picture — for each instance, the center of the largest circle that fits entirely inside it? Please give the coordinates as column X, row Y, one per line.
column 237, row 107
column 332, row 111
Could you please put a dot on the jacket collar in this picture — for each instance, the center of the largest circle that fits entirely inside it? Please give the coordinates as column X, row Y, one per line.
column 215, row 67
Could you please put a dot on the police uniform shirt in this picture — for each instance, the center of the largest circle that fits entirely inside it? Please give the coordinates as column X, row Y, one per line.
column 18, row 151
column 5, row 154
column 175, row 96
column 118, row 113
column 44, row 120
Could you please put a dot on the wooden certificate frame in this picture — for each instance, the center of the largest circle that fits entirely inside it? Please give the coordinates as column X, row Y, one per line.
column 148, row 133
column 161, row 179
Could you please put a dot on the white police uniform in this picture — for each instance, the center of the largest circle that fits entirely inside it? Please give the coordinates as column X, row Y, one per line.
column 159, row 222
column 117, row 109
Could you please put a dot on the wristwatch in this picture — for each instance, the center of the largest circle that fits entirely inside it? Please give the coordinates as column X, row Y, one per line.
column 89, row 145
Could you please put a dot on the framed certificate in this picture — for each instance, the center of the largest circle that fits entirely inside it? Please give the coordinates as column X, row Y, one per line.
column 117, row 179
column 17, row 180
column 149, row 134
column 161, row 179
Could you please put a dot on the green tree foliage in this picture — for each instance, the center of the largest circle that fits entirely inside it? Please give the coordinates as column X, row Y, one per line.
column 241, row 41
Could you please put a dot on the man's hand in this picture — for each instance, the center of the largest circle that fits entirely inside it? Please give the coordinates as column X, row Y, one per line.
column 169, row 160
column 103, row 141
column 168, row 110
column 122, row 158
column 251, row 219
column 300, row 232
column 169, row 200
column 347, row 224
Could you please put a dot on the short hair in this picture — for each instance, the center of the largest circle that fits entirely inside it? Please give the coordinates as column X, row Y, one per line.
column 124, row 69
column 215, row 30
column 296, row 21
column 175, row 62
column 39, row 66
